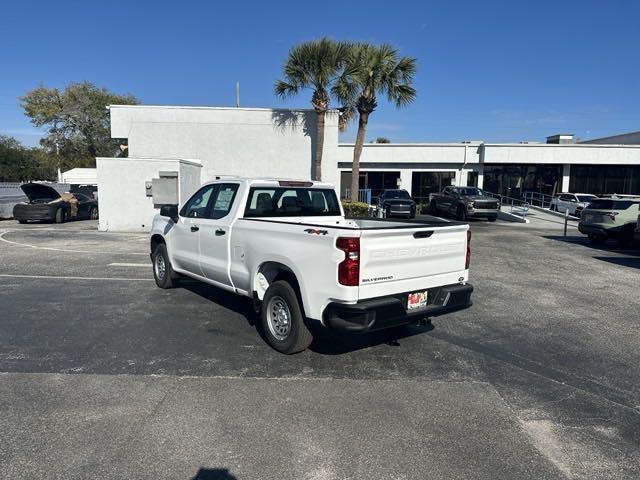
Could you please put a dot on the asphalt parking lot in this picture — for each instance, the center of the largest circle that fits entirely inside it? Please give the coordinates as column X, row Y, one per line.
column 104, row 375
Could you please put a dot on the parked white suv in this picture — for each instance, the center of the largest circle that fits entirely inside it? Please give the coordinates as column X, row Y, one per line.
column 574, row 202
column 287, row 246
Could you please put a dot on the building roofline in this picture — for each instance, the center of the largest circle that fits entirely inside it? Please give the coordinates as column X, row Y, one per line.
column 521, row 145
column 608, row 137
column 193, row 107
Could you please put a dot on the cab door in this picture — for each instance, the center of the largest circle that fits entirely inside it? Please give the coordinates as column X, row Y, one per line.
column 215, row 234
column 185, row 234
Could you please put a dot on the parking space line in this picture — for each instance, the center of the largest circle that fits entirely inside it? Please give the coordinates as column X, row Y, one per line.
column 62, row 249
column 116, row 264
column 54, row 277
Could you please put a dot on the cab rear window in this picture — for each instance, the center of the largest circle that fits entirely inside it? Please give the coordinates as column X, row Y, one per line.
column 291, row 202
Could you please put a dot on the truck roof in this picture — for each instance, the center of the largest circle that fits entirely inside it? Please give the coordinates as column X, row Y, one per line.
column 271, row 181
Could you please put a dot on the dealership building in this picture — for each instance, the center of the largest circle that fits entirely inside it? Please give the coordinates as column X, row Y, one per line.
column 197, row 144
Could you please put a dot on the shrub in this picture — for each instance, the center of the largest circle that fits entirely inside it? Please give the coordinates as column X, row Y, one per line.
column 355, row 209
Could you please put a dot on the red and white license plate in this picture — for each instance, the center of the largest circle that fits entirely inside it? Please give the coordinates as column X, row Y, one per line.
column 416, row 300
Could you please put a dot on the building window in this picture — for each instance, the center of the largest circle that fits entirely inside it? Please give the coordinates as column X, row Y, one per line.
column 425, row 183
column 600, row 179
column 515, row 180
column 375, row 181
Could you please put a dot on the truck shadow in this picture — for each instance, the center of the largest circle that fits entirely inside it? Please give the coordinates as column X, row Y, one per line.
column 331, row 342
column 325, row 341
column 214, row 474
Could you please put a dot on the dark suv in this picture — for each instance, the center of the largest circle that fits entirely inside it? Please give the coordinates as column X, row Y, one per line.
column 396, row 203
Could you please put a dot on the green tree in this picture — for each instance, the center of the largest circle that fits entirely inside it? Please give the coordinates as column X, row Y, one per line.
column 19, row 163
column 77, row 120
column 313, row 65
column 381, row 140
column 373, row 70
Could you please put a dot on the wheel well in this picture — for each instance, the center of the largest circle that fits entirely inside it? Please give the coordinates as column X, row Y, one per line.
column 270, row 272
column 155, row 241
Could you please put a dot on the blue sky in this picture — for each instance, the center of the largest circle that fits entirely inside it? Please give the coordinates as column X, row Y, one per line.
column 490, row 70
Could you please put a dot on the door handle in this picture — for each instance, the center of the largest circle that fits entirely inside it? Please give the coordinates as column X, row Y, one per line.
column 220, row 232
column 194, row 228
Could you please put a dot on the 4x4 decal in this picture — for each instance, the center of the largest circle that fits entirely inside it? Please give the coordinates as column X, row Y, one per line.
column 314, row 231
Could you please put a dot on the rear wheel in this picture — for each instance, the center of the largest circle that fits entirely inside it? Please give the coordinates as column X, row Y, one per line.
column 492, row 218
column 162, row 271
column 93, row 213
column 22, row 221
column 60, row 216
column 282, row 319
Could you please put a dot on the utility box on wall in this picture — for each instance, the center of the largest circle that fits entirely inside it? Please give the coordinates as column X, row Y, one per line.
column 164, row 190
column 132, row 189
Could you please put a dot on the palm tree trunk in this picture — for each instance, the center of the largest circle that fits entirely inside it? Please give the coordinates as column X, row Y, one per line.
column 363, row 119
column 317, row 166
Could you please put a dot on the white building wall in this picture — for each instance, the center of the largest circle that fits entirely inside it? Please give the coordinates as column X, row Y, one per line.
column 230, row 141
column 122, row 200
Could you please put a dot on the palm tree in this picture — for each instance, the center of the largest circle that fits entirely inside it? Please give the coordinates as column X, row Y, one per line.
column 370, row 71
column 313, row 65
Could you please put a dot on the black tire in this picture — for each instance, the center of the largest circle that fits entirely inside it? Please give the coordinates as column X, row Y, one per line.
column 162, row 270
column 93, row 213
column 412, row 216
column 434, row 207
column 597, row 239
column 492, row 219
column 22, row 221
column 387, row 212
column 292, row 337
column 60, row 216
column 461, row 213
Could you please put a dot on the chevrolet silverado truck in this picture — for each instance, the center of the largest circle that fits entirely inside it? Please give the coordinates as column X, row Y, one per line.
column 287, row 246
column 465, row 202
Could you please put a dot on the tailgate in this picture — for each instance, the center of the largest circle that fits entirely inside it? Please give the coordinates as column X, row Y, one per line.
column 409, row 259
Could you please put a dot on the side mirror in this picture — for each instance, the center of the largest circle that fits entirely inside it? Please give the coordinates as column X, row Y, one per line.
column 170, row 211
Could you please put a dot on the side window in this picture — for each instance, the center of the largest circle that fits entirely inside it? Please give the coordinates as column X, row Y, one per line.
column 196, row 206
column 223, row 200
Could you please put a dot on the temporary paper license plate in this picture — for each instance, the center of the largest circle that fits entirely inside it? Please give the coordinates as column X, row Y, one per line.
column 416, row 300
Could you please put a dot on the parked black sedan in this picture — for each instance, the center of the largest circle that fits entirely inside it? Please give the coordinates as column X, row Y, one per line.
column 396, row 203
column 45, row 203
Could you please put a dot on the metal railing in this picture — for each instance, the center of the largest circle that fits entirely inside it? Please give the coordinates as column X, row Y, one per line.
column 515, row 206
column 364, row 195
column 538, row 199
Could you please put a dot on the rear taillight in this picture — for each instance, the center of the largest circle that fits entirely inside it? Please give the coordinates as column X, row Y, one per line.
column 468, row 260
column 349, row 268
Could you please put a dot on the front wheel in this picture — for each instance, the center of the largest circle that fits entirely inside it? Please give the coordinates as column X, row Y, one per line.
column 492, row 218
column 93, row 213
column 597, row 239
column 283, row 320
column 162, row 271
column 462, row 213
column 60, row 216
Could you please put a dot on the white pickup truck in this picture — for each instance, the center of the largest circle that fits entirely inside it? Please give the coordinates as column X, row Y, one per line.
column 287, row 245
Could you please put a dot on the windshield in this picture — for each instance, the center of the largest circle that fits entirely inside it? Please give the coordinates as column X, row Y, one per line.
column 292, row 202
column 396, row 194
column 470, row 191
column 586, row 198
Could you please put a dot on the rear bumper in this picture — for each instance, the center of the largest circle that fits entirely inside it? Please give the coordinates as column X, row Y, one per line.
column 386, row 312
column 33, row 212
column 603, row 232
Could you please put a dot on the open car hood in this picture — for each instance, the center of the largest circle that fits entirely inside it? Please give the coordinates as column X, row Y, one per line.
column 38, row 191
